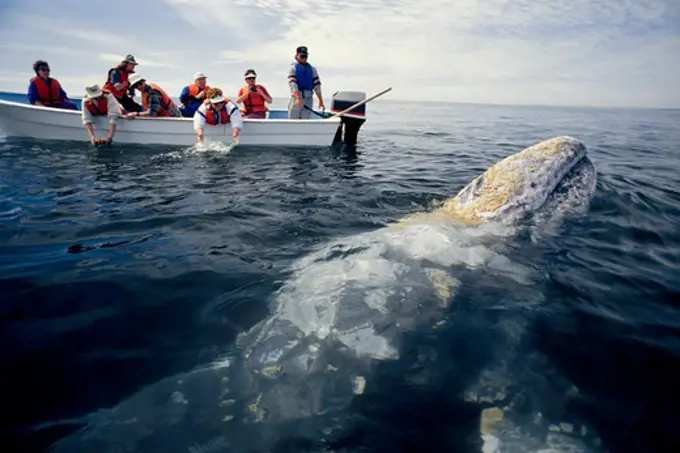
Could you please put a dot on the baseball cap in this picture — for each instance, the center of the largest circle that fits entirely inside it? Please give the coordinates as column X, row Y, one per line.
column 302, row 50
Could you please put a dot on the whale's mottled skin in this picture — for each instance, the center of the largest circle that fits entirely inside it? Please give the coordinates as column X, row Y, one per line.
column 348, row 304
column 513, row 187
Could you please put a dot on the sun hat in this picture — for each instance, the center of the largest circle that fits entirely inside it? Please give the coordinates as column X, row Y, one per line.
column 199, row 75
column 93, row 91
column 218, row 99
column 250, row 73
column 130, row 59
column 135, row 79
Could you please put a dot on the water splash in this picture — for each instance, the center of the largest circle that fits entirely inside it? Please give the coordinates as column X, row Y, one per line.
column 208, row 148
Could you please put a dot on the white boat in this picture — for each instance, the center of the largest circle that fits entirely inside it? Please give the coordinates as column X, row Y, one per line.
column 20, row 119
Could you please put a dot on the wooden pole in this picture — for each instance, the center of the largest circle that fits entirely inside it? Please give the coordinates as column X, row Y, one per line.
column 360, row 103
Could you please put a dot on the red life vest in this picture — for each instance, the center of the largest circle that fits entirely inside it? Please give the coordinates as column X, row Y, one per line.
column 108, row 86
column 194, row 90
column 48, row 93
column 254, row 102
column 100, row 107
column 166, row 102
column 215, row 117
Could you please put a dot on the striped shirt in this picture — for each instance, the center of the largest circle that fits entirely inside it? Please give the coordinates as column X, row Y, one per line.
column 155, row 99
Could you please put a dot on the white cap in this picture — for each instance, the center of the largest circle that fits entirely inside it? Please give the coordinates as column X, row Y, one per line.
column 136, row 78
column 199, row 75
column 93, row 91
column 218, row 99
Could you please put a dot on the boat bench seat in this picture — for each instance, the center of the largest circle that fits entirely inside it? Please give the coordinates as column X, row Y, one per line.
column 283, row 115
column 278, row 115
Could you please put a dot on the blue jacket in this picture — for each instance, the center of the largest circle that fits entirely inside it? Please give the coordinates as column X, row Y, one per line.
column 190, row 102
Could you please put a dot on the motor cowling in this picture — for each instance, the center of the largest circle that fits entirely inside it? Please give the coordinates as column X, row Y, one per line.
column 349, row 127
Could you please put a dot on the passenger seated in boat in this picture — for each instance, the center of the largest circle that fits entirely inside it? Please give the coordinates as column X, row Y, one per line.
column 117, row 83
column 99, row 103
column 253, row 97
column 155, row 101
column 46, row 91
column 218, row 110
column 192, row 96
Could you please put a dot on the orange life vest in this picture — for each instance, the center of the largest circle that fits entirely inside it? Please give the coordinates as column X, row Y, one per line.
column 215, row 117
column 254, row 102
column 194, row 90
column 100, row 107
column 108, row 86
column 48, row 93
column 166, row 102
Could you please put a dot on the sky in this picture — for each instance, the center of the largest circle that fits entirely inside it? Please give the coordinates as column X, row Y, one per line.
column 618, row 53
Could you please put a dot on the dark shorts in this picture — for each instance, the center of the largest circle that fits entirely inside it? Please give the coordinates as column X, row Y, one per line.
column 128, row 104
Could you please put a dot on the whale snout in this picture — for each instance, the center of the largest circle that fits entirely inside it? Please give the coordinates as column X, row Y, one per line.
column 517, row 185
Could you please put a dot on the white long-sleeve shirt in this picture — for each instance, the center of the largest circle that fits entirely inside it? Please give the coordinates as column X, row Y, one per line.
column 113, row 110
column 232, row 110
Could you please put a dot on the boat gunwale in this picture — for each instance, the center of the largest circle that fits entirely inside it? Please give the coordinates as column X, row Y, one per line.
column 335, row 120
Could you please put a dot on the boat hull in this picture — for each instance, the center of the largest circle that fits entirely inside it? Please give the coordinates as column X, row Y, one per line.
column 24, row 120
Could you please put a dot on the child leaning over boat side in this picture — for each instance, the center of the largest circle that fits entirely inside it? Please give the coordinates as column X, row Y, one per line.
column 217, row 110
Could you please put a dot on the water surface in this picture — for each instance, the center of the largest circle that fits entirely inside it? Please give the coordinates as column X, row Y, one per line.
column 124, row 266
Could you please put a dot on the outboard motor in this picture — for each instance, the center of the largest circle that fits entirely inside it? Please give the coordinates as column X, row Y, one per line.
column 342, row 100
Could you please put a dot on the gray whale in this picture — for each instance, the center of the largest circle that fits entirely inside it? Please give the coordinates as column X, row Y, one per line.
column 346, row 307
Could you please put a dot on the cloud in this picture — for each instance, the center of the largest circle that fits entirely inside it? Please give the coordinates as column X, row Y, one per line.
column 41, row 25
column 618, row 53
column 117, row 58
column 39, row 49
column 495, row 50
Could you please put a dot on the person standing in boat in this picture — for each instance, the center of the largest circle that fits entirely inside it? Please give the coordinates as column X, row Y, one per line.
column 117, row 83
column 155, row 101
column 303, row 80
column 46, row 91
column 192, row 96
column 253, row 97
column 97, row 102
column 217, row 111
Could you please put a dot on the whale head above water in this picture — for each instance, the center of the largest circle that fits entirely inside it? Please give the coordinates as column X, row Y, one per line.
column 517, row 185
column 520, row 186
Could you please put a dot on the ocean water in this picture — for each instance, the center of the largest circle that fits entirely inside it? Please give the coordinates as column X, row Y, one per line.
column 127, row 271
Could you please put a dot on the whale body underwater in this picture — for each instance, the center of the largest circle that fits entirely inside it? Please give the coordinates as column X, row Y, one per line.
column 348, row 306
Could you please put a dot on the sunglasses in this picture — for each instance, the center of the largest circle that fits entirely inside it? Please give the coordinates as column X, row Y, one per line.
column 250, row 78
column 43, row 68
